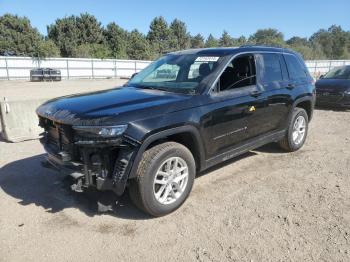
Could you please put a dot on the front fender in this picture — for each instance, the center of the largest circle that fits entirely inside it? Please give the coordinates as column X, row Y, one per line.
column 163, row 135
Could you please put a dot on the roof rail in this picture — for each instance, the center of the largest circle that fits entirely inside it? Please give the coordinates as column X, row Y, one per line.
column 253, row 45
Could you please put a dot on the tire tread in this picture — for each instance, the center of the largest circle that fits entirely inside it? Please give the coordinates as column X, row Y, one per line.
column 135, row 190
column 285, row 142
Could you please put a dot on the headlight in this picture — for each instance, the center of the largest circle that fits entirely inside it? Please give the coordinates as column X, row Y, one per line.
column 347, row 92
column 103, row 131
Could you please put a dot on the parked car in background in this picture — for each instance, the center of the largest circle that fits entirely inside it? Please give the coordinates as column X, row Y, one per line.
column 155, row 133
column 333, row 89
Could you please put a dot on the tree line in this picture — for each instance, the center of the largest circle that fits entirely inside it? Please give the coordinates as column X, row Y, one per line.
column 84, row 36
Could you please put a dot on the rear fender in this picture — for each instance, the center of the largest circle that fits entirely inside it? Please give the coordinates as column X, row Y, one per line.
column 298, row 101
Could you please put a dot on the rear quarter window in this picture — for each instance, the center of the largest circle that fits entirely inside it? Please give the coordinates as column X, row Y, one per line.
column 296, row 69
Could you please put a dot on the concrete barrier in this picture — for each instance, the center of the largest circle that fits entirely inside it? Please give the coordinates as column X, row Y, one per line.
column 19, row 121
column 1, row 128
column 20, row 99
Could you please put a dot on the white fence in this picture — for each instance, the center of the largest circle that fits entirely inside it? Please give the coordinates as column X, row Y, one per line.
column 320, row 67
column 12, row 68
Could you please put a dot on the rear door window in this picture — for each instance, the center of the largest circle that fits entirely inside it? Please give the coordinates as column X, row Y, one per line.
column 295, row 69
column 269, row 68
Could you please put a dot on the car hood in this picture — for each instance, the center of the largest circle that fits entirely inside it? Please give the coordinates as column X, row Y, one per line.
column 114, row 106
column 332, row 85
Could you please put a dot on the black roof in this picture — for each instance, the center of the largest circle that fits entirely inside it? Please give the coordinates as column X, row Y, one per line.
column 222, row 51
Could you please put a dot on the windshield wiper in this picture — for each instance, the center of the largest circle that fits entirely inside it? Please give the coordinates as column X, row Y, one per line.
column 160, row 88
column 146, row 87
column 152, row 88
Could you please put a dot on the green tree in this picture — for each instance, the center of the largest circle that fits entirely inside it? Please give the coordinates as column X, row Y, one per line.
column 138, row 47
column 297, row 41
column 270, row 36
column 324, row 39
column 240, row 41
column 82, row 51
column 47, row 48
column 158, row 35
column 197, row 41
column 348, row 43
column 226, row 40
column 211, row 41
column 90, row 30
column 100, row 51
column 92, row 51
column 65, row 34
column 18, row 35
column 179, row 37
column 339, row 39
column 84, row 36
column 304, row 47
column 334, row 42
column 117, row 40
column 72, row 32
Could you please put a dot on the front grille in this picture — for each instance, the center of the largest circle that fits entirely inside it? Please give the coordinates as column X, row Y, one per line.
column 58, row 137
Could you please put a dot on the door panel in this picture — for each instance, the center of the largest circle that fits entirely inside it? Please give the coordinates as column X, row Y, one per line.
column 273, row 79
column 257, row 119
column 226, row 122
column 278, row 106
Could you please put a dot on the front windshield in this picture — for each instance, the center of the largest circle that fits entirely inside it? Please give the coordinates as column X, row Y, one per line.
column 338, row 73
column 176, row 73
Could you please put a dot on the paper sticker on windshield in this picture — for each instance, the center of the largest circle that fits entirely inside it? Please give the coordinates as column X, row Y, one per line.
column 207, row 59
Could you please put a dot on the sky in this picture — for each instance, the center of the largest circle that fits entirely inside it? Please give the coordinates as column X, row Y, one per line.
column 238, row 17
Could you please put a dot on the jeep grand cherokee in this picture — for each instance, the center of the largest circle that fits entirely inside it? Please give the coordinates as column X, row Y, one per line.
column 184, row 113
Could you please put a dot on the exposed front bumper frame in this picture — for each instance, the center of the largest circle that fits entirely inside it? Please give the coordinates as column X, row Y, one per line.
column 83, row 174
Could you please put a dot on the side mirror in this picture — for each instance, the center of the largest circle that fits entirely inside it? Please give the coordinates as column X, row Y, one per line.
column 132, row 76
column 321, row 76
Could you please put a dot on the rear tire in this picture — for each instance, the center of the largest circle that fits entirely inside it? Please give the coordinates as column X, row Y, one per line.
column 297, row 131
column 164, row 179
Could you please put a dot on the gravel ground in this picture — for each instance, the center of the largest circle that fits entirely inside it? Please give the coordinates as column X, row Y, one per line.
column 25, row 90
column 264, row 206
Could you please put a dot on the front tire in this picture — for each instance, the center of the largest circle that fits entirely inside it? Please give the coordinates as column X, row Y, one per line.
column 164, row 179
column 297, row 131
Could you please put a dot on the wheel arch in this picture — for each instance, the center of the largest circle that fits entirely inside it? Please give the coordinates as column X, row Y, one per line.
column 305, row 103
column 188, row 136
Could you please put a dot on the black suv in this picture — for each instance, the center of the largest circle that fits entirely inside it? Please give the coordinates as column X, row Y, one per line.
column 184, row 113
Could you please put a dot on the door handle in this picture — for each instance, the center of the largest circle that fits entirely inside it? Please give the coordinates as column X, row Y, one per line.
column 255, row 93
column 290, row 86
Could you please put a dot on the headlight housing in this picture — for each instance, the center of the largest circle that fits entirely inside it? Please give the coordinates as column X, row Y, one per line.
column 101, row 131
column 347, row 92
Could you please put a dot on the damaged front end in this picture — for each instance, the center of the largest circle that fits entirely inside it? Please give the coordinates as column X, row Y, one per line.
column 99, row 157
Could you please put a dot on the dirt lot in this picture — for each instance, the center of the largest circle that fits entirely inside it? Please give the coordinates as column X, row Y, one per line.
column 264, row 206
column 25, row 90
